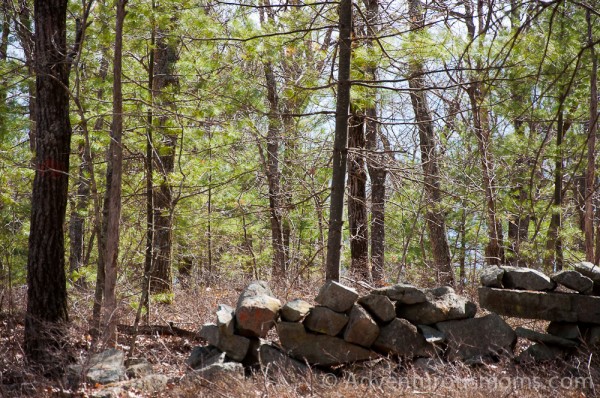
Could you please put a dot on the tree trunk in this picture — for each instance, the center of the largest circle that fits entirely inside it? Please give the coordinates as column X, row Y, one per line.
column 338, row 179
column 357, row 198
column 165, row 58
column 77, row 219
column 591, row 155
column 115, row 170
column 434, row 217
column 273, row 174
column 46, row 280
column 554, row 249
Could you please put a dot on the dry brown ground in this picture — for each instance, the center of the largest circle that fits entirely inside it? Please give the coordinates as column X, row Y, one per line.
column 577, row 376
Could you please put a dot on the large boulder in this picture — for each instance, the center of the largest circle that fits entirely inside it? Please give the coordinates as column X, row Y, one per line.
column 319, row 349
column 402, row 293
column 295, row 310
column 361, row 328
column 336, row 296
column 492, row 276
column 526, row 279
column 402, row 338
column 203, row 356
column 225, row 319
column 591, row 271
column 326, row 321
column 560, row 307
column 236, row 347
column 478, row 338
column 380, row 306
column 540, row 353
column 566, row 330
column 442, row 305
column 275, row 362
column 106, row 367
column 544, row 338
column 257, row 310
column 574, row 280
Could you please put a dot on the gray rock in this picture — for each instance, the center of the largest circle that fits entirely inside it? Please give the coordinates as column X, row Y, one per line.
column 432, row 335
column 591, row 271
column 319, row 349
column 565, row 330
column 526, row 279
column 591, row 335
column 574, row 280
column 442, row 305
column 326, row 321
column 478, row 338
column 225, row 373
column 147, row 385
column 336, row 296
column 107, row 367
column 561, row 307
column 275, row 362
column 401, row 338
column 361, row 328
column 202, row 356
column 402, row 293
column 544, row 338
column 138, row 368
column 380, row 306
column 236, row 347
column 295, row 310
column 540, row 353
column 257, row 310
column 492, row 276
column 225, row 320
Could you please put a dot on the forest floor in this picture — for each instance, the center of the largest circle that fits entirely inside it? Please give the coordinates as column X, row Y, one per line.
column 577, row 376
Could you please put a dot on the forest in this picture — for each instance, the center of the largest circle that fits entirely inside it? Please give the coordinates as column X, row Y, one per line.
column 147, row 146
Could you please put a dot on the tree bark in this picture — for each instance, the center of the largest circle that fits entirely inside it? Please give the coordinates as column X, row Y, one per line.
column 46, row 279
column 357, row 198
column 591, row 154
column 165, row 58
column 338, row 180
column 77, row 219
column 115, row 166
column 434, row 217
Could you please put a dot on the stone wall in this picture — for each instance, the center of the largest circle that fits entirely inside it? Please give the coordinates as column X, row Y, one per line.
column 407, row 322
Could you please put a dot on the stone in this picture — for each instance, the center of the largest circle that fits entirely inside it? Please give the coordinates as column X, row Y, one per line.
column 326, row 321
column 295, row 310
column 574, row 280
column 148, row 385
column 591, row 271
column 432, row 335
column 380, row 306
column 107, row 367
column 336, row 296
column 136, row 369
column 275, row 362
column 319, row 349
column 361, row 328
column 225, row 320
column 236, row 347
column 544, row 338
column 203, row 356
column 565, row 330
column 257, row 310
column 492, row 276
column 226, row 372
column 526, row 279
column 442, row 305
column 402, row 293
column 561, row 307
column 478, row 338
column 540, row 353
column 402, row 339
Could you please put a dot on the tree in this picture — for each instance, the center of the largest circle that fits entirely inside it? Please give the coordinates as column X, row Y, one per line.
column 46, row 281
column 338, row 179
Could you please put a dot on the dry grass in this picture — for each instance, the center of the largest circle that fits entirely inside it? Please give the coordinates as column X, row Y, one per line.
column 575, row 377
